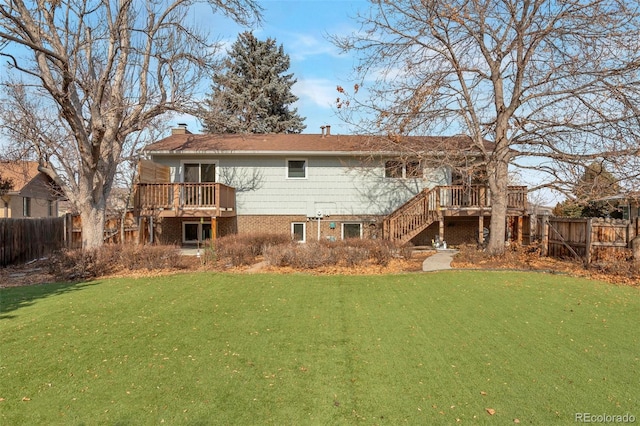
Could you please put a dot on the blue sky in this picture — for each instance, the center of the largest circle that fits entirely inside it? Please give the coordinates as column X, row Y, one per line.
column 302, row 27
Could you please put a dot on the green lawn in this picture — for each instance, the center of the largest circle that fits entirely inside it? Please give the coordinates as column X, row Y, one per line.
column 296, row 349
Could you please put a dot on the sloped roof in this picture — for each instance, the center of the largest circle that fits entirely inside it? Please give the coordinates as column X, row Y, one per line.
column 27, row 180
column 19, row 172
column 304, row 143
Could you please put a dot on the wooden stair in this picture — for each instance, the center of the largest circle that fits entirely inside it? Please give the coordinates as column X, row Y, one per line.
column 412, row 217
column 431, row 205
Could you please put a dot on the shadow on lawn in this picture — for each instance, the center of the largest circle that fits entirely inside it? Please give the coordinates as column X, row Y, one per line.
column 14, row 298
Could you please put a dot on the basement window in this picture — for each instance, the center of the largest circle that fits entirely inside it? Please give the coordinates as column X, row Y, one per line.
column 299, row 232
column 351, row 230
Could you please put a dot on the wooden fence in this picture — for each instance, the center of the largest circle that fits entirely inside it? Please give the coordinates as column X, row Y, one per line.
column 22, row 240
column 114, row 231
column 588, row 239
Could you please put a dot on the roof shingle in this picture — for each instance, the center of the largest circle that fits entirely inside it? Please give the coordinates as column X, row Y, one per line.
column 307, row 143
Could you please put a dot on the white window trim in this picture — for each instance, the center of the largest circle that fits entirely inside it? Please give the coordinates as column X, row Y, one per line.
column 200, row 162
column 306, row 168
column 304, row 231
column 351, row 223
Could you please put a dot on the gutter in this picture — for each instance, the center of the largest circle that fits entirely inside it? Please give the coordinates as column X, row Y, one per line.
column 294, row 153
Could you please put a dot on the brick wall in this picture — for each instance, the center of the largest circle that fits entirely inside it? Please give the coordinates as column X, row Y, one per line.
column 168, row 230
column 461, row 230
column 457, row 230
column 330, row 227
column 227, row 226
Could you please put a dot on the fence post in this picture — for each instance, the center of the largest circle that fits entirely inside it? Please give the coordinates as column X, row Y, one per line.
column 631, row 231
column 68, row 230
column 589, row 238
column 545, row 235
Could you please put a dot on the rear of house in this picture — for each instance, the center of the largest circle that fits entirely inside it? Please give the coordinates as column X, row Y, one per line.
column 197, row 187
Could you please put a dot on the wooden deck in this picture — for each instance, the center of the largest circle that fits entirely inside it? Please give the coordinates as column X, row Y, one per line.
column 185, row 199
column 457, row 200
column 434, row 204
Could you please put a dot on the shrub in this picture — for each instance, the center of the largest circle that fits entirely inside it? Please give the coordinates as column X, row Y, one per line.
column 149, row 257
column 613, row 261
column 348, row 253
column 112, row 258
column 304, row 256
column 244, row 249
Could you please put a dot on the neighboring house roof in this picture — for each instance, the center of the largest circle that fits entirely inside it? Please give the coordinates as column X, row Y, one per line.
column 629, row 197
column 27, row 180
column 306, row 144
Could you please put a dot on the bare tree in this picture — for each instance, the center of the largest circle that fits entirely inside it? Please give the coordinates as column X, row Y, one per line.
column 539, row 79
column 92, row 75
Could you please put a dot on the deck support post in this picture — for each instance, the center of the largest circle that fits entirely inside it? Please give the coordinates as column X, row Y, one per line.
column 214, row 228
column 441, row 227
column 480, row 229
column 520, row 226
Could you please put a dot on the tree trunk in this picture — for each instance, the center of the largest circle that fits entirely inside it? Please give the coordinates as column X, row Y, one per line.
column 498, row 184
column 93, row 218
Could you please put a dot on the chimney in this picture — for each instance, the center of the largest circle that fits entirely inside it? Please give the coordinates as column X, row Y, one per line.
column 322, row 128
column 328, row 130
column 181, row 129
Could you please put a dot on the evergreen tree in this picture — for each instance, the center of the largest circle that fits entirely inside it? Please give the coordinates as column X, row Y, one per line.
column 252, row 94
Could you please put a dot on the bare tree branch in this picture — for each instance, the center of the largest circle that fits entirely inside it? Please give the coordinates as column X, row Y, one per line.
column 554, row 81
column 98, row 73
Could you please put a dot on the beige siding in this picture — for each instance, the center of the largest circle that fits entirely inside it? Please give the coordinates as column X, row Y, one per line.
column 39, row 207
column 333, row 186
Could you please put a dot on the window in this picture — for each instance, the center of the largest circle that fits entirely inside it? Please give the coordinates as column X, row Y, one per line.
column 299, row 232
column 199, row 172
column 412, row 169
column 193, row 232
column 393, row 169
column 296, row 169
column 26, row 207
column 398, row 169
column 351, row 230
column 198, row 195
column 51, row 208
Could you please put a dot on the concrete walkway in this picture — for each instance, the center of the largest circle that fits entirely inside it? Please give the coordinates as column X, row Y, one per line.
column 439, row 261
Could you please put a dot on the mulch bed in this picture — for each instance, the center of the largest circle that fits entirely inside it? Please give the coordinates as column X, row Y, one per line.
column 469, row 257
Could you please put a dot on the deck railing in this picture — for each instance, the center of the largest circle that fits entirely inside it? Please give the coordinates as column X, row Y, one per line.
column 427, row 206
column 185, row 196
column 477, row 196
